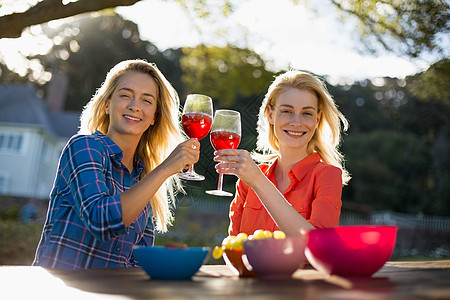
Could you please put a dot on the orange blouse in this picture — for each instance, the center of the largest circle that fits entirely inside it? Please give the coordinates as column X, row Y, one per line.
column 315, row 193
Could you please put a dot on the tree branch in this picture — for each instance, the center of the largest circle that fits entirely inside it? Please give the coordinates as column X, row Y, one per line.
column 11, row 26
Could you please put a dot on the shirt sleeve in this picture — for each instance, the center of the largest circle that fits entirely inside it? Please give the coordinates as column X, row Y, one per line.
column 83, row 171
column 237, row 208
column 326, row 205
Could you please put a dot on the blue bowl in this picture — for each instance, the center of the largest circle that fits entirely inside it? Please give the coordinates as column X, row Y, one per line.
column 170, row 263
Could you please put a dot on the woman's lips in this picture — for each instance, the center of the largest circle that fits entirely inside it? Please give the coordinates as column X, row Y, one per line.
column 131, row 118
column 295, row 133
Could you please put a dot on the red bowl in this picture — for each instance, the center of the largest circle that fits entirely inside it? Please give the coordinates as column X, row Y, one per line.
column 233, row 259
column 350, row 251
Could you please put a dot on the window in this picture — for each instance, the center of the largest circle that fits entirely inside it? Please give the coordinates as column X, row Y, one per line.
column 11, row 142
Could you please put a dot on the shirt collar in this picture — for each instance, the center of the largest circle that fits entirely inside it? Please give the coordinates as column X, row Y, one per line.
column 304, row 166
column 116, row 153
column 300, row 169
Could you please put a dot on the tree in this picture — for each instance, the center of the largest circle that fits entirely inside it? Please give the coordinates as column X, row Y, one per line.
column 90, row 46
column 434, row 83
column 389, row 170
column 224, row 73
column 11, row 26
column 411, row 27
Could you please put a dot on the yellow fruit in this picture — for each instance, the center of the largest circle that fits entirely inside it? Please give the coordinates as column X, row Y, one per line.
column 239, row 241
column 278, row 235
column 267, row 233
column 231, row 242
column 226, row 241
column 217, row 252
column 235, row 244
column 242, row 236
column 259, row 234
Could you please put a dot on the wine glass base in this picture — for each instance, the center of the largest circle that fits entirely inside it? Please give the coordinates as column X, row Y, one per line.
column 191, row 176
column 219, row 193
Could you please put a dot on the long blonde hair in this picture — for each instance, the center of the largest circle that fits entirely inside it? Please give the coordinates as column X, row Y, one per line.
column 156, row 142
column 327, row 136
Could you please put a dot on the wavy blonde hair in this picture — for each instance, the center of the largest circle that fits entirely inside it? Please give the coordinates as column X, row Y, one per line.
column 156, row 142
column 327, row 136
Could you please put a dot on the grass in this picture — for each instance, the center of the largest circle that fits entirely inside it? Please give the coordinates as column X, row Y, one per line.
column 18, row 242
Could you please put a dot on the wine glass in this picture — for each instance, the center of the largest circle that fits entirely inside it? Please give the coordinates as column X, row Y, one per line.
column 225, row 134
column 196, row 121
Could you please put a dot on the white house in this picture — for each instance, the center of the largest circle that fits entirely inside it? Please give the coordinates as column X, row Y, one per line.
column 32, row 136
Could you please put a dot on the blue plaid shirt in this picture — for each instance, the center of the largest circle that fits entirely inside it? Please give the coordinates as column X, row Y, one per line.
column 84, row 227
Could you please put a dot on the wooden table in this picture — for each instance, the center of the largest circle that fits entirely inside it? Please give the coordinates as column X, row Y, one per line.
column 396, row 280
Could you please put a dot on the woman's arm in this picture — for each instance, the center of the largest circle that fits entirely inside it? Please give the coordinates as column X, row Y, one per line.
column 326, row 206
column 135, row 199
column 82, row 166
column 239, row 162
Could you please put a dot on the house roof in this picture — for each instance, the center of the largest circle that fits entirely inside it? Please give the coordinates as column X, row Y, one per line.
column 20, row 105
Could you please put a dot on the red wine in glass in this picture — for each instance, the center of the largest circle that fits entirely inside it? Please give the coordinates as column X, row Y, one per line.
column 196, row 125
column 196, row 121
column 225, row 134
column 225, row 140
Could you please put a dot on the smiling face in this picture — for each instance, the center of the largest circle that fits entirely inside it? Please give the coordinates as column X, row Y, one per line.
column 295, row 118
column 132, row 106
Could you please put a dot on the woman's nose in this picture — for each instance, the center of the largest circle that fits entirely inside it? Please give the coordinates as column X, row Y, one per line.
column 133, row 105
column 296, row 119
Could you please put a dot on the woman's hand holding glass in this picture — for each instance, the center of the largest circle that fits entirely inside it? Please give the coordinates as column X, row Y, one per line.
column 239, row 162
column 196, row 121
column 225, row 134
column 185, row 154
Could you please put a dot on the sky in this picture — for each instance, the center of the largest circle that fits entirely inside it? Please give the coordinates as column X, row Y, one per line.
column 307, row 36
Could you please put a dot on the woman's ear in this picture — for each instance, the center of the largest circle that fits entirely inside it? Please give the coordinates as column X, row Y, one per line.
column 107, row 107
column 270, row 113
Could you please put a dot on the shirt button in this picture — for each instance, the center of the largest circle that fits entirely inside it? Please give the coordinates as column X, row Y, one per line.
column 117, row 248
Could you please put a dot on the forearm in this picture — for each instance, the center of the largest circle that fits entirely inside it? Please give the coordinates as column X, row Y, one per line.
column 134, row 200
column 281, row 211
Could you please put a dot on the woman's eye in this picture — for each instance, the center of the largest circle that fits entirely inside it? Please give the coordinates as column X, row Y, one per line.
column 148, row 101
column 285, row 111
column 126, row 96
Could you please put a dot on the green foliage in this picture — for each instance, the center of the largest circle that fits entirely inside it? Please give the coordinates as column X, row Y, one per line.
column 405, row 27
column 11, row 213
column 224, row 73
column 18, row 242
column 389, row 169
column 90, row 46
column 439, row 180
column 434, row 83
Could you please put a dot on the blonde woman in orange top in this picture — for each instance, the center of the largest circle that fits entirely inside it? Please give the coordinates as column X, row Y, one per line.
column 298, row 184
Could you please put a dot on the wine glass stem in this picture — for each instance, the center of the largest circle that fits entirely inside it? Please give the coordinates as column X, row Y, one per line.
column 191, row 169
column 219, row 182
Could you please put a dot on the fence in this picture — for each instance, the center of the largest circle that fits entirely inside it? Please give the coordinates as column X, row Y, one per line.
column 403, row 220
column 220, row 206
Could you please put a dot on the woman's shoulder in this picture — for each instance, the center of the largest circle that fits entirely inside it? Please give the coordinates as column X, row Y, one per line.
column 85, row 141
column 328, row 169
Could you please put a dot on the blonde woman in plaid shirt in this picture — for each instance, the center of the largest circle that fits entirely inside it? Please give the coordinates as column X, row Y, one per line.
column 114, row 182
